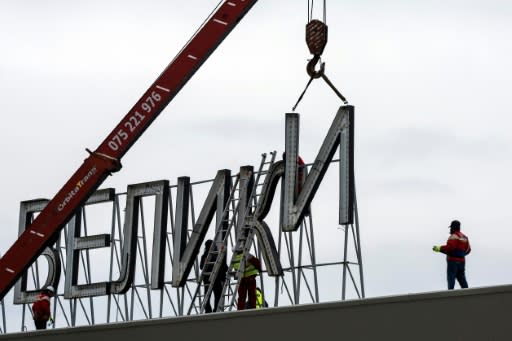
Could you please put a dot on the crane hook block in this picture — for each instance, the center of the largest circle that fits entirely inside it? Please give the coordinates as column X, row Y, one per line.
column 316, row 37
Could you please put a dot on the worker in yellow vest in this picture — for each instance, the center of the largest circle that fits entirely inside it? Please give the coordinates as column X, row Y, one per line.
column 260, row 300
column 247, row 286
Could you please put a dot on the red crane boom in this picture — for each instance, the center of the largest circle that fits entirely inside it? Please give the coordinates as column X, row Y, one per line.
column 106, row 159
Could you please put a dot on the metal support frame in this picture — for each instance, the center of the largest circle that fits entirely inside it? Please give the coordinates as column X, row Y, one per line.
column 352, row 231
column 301, row 257
column 299, row 284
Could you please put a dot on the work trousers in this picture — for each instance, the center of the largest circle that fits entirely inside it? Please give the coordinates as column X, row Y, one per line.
column 247, row 288
column 456, row 270
column 217, row 292
column 40, row 324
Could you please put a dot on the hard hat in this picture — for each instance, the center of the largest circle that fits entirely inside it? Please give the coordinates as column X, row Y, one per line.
column 50, row 289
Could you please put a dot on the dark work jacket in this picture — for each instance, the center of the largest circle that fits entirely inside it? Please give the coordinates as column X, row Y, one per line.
column 209, row 267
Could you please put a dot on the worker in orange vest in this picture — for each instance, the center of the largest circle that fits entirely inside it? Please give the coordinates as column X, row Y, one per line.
column 456, row 249
column 41, row 311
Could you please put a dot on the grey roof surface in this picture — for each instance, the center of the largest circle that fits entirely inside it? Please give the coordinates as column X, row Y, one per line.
column 468, row 314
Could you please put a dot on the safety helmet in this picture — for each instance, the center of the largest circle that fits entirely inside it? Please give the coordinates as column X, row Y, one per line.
column 50, row 289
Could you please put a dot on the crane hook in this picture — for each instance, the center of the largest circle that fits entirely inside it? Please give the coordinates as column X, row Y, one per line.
column 311, row 67
column 316, row 39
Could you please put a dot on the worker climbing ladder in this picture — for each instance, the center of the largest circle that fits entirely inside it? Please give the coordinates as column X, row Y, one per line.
column 243, row 244
column 235, row 211
column 216, row 253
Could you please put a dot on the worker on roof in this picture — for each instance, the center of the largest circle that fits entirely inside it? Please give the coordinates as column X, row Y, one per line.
column 260, row 300
column 41, row 311
column 218, row 284
column 456, row 250
column 247, row 286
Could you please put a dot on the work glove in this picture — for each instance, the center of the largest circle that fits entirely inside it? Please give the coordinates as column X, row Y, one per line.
column 436, row 248
column 51, row 320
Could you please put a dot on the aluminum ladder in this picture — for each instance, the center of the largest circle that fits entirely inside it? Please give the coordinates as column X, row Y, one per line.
column 244, row 240
column 217, row 252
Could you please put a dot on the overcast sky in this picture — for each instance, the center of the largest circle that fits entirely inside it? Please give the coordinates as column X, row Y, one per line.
column 429, row 81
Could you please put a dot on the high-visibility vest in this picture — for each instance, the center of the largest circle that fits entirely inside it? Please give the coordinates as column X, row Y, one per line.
column 250, row 269
column 259, row 299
